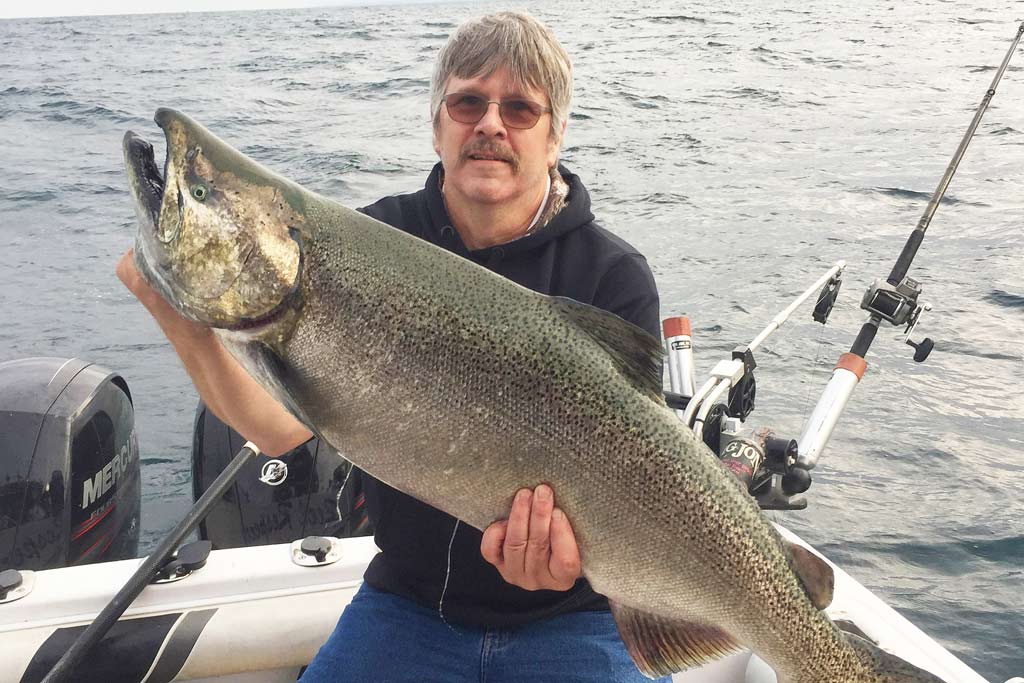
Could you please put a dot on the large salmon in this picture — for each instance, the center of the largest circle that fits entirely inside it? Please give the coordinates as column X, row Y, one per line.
column 459, row 387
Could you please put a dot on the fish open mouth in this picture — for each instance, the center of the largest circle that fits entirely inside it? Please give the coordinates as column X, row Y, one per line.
column 148, row 185
column 218, row 258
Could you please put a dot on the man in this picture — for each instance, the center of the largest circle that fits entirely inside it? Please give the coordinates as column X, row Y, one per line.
column 443, row 602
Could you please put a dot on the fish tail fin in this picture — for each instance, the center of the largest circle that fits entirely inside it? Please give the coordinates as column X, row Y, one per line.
column 886, row 667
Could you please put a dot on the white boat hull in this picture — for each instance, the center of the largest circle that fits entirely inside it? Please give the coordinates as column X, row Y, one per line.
column 253, row 615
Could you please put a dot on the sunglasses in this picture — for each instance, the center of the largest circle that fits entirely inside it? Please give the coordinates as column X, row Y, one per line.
column 518, row 113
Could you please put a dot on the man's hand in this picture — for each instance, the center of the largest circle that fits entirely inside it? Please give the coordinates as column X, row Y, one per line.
column 174, row 325
column 535, row 547
column 128, row 274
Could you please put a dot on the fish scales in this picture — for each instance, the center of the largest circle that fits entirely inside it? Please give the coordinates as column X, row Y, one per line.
column 430, row 367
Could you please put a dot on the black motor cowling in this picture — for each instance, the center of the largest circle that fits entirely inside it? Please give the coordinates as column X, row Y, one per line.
column 69, row 465
column 318, row 494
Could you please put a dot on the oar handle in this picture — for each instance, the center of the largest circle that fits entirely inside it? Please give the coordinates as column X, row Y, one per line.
column 67, row 664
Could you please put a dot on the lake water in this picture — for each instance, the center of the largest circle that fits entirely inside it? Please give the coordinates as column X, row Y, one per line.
column 743, row 147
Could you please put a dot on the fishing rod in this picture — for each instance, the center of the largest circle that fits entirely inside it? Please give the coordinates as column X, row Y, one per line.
column 894, row 300
column 775, row 469
column 167, row 562
column 766, row 464
column 730, row 375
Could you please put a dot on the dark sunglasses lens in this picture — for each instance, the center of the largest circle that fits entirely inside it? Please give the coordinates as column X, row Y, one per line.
column 466, row 108
column 520, row 113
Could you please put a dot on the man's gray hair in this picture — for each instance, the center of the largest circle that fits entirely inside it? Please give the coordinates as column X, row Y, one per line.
column 513, row 40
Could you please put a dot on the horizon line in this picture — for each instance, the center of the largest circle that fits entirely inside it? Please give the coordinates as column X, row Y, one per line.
column 273, row 5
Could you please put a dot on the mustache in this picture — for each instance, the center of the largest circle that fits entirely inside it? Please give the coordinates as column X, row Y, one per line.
column 490, row 147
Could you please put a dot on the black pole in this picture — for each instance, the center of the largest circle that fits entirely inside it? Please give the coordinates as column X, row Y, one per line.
column 70, row 660
column 899, row 271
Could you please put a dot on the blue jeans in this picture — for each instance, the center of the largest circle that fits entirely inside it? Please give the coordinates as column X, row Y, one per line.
column 387, row 638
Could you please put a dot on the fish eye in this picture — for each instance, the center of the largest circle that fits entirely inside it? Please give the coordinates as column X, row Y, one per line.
column 200, row 192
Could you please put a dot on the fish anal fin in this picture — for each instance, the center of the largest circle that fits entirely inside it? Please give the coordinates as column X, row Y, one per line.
column 815, row 574
column 636, row 353
column 887, row 668
column 847, row 626
column 661, row 647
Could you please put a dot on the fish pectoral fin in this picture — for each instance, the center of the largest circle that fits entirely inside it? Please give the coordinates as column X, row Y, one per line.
column 636, row 354
column 815, row 574
column 661, row 647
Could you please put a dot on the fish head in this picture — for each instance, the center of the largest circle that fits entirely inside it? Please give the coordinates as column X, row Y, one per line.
column 220, row 237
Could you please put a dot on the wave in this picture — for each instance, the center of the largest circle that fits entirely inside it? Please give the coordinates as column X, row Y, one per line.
column 1002, row 298
column 754, row 94
column 82, row 112
column 328, row 23
column 766, row 55
column 952, row 557
column 666, row 19
column 826, row 62
column 393, row 87
column 28, row 196
column 962, row 349
column 672, row 198
column 981, row 68
column 903, row 193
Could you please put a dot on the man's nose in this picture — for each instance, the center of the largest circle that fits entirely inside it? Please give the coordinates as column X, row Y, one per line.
column 491, row 123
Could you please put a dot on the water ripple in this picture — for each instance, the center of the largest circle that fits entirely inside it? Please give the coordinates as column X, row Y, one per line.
column 743, row 149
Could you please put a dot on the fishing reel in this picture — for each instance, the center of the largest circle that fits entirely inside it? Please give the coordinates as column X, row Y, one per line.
column 768, row 467
column 898, row 305
column 827, row 299
column 744, row 389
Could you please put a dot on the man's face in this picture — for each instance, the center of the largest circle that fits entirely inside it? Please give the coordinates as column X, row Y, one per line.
column 487, row 162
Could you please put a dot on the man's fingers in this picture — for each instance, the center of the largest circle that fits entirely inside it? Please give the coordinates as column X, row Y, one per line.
column 535, row 547
column 565, row 554
column 126, row 270
column 538, row 545
column 128, row 274
column 518, row 530
column 491, row 544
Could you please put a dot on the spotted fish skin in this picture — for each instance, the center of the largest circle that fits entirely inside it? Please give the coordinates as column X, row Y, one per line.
column 460, row 387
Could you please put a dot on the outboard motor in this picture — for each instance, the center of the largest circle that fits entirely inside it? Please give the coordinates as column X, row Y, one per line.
column 69, row 465
column 310, row 491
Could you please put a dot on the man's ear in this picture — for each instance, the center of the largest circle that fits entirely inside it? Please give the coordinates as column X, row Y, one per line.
column 554, row 146
column 437, row 142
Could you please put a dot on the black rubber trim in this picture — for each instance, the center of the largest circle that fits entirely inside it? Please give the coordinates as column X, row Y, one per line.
column 180, row 646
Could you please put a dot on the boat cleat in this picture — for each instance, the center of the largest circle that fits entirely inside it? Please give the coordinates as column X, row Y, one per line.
column 187, row 559
column 316, row 551
column 15, row 584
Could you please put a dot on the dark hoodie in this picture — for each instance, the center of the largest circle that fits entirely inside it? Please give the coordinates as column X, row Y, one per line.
column 571, row 256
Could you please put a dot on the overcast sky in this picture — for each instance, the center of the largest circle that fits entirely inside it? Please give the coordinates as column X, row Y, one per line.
column 60, row 8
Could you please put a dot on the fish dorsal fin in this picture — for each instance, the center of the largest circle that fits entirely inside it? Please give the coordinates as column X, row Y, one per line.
column 661, row 647
column 815, row 574
column 635, row 352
